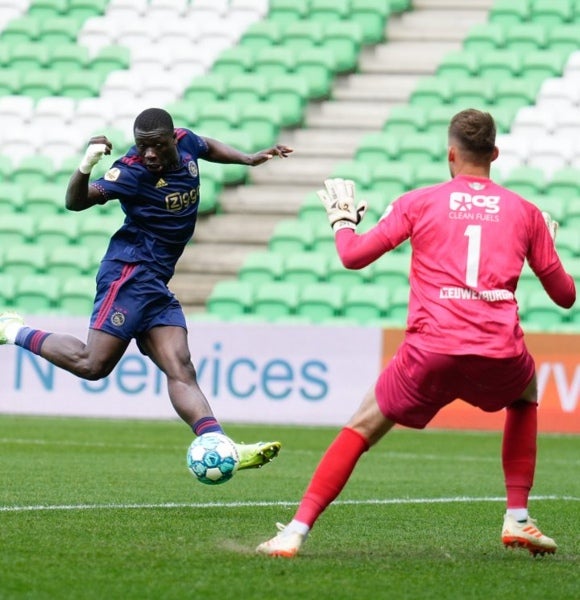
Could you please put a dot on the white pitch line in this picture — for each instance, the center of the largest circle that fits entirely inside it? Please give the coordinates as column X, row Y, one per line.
column 250, row 504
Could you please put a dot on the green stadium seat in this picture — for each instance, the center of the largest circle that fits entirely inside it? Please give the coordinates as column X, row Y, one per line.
column 338, row 274
column 232, row 174
column 261, row 266
column 526, row 37
column 233, row 61
column 398, row 305
column 568, row 242
column 68, row 57
column 41, row 83
column 320, row 301
column 483, row 37
column 344, row 40
column 552, row 12
column 276, row 299
column 217, row 116
column 528, row 282
column 44, row 199
column 326, row 11
column 404, row 119
column 110, row 58
column 317, row 66
column 525, row 180
column 262, row 34
column 376, row 148
column 304, row 267
column 564, row 38
column 557, row 207
column 33, row 170
column 36, row 294
column 21, row 30
column 85, row 9
column 205, row 89
column 437, row 120
column 16, row 229
column 62, row 262
column 28, row 56
column 323, row 238
column 47, row 8
column 542, row 64
column 538, row 308
column 246, row 88
column 59, row 30
column 571, row 216
column 290, row 94
column 473, row 92
column 57, row 230
column 285, row 11
column 311, row 209
column 11, row 197
column 392, row 179
column 76, row 296
column 261, row 121
column 458, row 64
column 499, row 65
column 516, row 93
column 7, row 290
column 229, row 298
column 274, row 61
column 81, row 84
column 508, row 12
column 10, row 82
column 360, row 172
column 291, row 235
column 431, row 91
column 419, row 148
column 298, row 35
column 184, row 113
column 564, row 183
column 391, row 271
column 365, row 303
column 372, row 17
column 430, row 174
column 24, row 259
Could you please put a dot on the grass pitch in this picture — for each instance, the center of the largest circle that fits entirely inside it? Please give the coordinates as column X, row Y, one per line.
column 97, row 509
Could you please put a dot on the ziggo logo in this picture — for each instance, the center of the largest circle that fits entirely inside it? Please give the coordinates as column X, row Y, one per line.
column 218, row 376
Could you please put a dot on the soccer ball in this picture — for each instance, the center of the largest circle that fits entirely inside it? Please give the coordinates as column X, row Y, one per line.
column 213, row 458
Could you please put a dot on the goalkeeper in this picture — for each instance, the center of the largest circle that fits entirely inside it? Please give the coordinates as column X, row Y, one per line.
column 157, row 183
column 470, row 238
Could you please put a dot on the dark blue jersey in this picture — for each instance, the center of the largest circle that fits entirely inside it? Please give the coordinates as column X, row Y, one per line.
column 160, row 209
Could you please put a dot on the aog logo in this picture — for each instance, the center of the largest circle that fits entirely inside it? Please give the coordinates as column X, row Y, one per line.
column 463, row 202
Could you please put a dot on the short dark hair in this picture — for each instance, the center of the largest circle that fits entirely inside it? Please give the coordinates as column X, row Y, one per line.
column 474, row 131
column 153, row 118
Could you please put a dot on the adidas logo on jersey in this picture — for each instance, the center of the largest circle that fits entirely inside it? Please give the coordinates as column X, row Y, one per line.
column 161, row 183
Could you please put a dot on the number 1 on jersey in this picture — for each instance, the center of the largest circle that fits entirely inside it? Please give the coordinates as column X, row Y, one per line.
column 473, row 233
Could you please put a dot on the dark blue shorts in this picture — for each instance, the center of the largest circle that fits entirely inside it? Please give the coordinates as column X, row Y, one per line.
column 131, row 299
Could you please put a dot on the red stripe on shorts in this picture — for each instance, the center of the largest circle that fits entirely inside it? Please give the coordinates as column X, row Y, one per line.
column 112, row 294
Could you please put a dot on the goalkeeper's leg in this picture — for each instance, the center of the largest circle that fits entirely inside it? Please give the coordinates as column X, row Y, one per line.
column 366, row 427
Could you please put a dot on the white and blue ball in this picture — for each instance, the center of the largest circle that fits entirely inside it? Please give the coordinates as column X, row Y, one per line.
column 213, row 458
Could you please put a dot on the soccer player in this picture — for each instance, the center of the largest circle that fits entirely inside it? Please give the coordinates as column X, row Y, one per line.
column 470, row 238
column 158, row 186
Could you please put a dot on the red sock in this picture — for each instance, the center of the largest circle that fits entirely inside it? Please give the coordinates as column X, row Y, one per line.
column 519, row 452
column 331, row 474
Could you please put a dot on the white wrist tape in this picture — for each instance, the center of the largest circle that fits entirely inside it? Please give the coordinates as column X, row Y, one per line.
column 93, row 155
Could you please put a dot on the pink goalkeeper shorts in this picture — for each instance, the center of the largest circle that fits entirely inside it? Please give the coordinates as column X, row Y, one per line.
column 417, row 384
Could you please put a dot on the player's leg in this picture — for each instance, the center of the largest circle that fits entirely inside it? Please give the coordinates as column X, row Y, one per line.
column 363, row 430
column 168, row 348
column 91, row 360
column 519, row 449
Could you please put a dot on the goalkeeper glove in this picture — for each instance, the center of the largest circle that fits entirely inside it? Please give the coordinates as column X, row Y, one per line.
column 338, row 200
column 93, row 155
column 550, row 224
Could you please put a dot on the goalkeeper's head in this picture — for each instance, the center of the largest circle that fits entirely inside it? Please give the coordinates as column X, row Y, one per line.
column 472, row 143
column 155, row 140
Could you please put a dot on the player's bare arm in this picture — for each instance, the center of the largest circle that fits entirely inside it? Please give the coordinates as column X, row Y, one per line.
column 79, row 194
column 223, row 153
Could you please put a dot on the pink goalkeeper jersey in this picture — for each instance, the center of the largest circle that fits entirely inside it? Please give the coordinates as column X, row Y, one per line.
column 470, row 238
